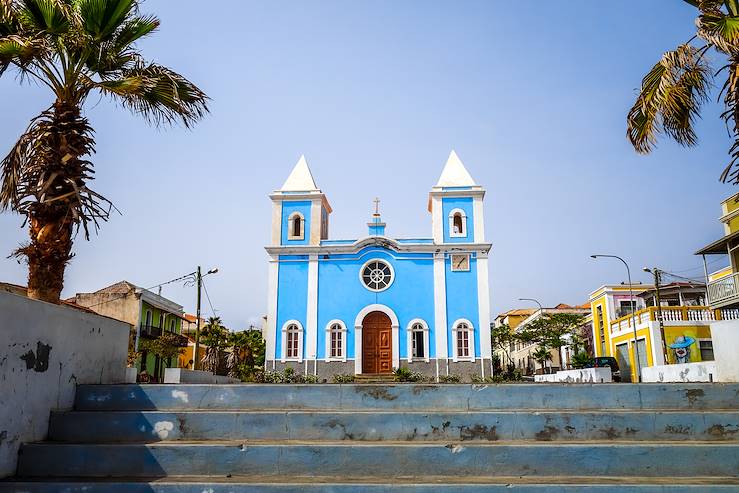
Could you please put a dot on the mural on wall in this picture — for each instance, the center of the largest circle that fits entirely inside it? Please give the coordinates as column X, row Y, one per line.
column 681, row 348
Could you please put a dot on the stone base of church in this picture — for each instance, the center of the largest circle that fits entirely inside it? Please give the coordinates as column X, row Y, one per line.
column 325, row 370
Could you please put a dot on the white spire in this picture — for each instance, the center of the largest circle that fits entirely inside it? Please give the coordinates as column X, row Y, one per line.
column 455, row 174
column 300, row 179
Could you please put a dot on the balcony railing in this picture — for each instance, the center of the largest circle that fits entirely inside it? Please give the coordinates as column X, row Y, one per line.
column 149, row 331
column 724, row 290
column 674, row 314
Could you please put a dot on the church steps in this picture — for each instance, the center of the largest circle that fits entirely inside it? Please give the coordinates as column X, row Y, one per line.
column 151, row 426
column 408, row 397
column 383, row 459
column 468, row 484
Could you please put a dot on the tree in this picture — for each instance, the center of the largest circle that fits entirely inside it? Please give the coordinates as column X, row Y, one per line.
column 553, row 330
column 214, row 337
column 247, row 354
column 501, row 337
column 165, row 346
column 674, row 90
column 76, row 48
column 541, row 355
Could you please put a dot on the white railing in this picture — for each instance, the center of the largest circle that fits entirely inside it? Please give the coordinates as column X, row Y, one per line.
column 673, row 314
column 724, row 289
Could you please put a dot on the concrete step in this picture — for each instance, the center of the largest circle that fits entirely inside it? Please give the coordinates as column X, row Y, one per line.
column 467, row 484
column 430, row 397
column 381, row 460
column 151, row 426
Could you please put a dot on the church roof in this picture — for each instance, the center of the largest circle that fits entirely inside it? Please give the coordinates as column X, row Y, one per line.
column 455, row 174
column 300, row 179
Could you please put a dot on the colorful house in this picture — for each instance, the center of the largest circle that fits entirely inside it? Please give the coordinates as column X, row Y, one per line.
column 683, row 336
column 149, row 313
column 375, row 303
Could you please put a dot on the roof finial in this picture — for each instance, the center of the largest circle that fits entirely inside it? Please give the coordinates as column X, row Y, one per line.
column 377, row 206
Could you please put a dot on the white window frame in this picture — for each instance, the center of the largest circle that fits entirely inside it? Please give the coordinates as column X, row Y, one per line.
column 425, row 330
column 290, row 219
column 463, row 233
column 470, row 340
column 342, row 332
column 283, row 354
column 451, row 259
column 392, row 274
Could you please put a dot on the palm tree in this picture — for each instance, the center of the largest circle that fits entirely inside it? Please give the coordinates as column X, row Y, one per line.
column 673, row 92
column 76, row 48
column 541, row 355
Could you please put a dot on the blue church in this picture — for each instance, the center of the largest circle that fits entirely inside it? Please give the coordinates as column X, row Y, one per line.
column 373, row 304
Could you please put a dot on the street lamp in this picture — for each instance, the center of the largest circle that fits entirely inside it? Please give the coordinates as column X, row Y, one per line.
column 633, row 311
column 199, row 282
column 657, row 279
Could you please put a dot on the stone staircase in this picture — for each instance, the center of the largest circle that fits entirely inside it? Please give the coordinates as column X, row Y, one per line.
column 388, row 437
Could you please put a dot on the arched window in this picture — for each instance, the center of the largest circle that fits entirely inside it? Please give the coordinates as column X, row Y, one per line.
column 457, row 223
column 292, row 341
column 161, row 320
column 335, row 341
column 148, row 318
column 463, row 340
column 418, row 340
column 296, row 226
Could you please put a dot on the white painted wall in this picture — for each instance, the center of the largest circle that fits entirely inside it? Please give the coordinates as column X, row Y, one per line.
column 725, row 337
column 585, row 375
column 702, row 371
column 84, row 348
column 183, row 375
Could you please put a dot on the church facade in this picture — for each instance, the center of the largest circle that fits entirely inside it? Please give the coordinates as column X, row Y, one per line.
column 376, row 303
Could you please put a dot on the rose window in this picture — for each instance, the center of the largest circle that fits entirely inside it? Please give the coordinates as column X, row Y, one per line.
column 377, row 275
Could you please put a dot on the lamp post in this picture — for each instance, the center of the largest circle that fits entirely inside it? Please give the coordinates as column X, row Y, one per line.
column 199, row 282
column 633, row 311
column 541, row 314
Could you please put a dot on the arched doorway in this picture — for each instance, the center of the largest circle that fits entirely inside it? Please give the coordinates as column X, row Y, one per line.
column 377, row 343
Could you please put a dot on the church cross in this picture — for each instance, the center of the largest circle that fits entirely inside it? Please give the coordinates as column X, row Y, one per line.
column 377, row 206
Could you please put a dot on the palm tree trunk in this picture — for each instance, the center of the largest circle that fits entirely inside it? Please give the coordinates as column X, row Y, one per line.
column 63, row 140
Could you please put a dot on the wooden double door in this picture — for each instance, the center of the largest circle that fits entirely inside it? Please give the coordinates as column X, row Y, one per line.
column 377, row 343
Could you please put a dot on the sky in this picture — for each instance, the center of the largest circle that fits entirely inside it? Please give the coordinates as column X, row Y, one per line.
column 532, row 95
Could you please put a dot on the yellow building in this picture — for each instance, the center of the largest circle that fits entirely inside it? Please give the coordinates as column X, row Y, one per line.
column 684, row 334
column 723, row 284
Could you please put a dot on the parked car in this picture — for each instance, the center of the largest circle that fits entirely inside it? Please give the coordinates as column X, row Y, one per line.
column 606, row 362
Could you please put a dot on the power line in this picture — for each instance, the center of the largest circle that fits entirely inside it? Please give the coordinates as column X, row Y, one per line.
column 207, row 296
column 124, row 295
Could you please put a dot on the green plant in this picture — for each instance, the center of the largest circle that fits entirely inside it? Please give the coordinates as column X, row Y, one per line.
column 404, row 374
column 541, row 355
column 581, row 359
column 449, row 379
column 343, row 378
column 76, row 49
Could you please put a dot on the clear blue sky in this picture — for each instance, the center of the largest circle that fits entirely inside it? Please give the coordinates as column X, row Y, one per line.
column 532, row 95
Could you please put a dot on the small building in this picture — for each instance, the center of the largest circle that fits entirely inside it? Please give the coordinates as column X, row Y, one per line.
column 684, row 334
column 522, row 352
column 370, row 304
column 150, row 314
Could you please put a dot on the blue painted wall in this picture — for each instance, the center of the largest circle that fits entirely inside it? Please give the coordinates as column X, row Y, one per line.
column 341, row 294
column 288, row 207
column 292, row 295
column 461, row 301
column 465, row 203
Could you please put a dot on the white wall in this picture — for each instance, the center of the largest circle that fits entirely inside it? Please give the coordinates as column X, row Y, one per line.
column 82, row 348
column 725, row 337
column 701, row 371
column 584, row 375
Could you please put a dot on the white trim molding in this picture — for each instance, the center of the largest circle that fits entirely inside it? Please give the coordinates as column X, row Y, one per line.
column 342, row 331
column 311, row 321
column 437, row 223
column 395, row 325
column 483, row 305
column 463, row 232
column 290, row 228
column 425, row 330
column 478, row 219
column 384, row 262
column 440, row 329
column 470, row 340
column 283, row 354
column 271, row 335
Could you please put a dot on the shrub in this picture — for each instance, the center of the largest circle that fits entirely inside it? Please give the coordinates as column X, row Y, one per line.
column 581, row 359
column 343, row 378
column 449, row 379
column 404, row 374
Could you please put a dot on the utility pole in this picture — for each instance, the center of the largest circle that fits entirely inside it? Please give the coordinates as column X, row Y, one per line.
column 199, row 281
column 657, row 279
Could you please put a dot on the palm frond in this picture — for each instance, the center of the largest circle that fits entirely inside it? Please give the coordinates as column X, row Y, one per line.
column 102, row 18
column 48, row 16
column 159, row 94
column 730, row 93
column 718, row 28
column 670, row 99
column 8, row 19
column 135, row 29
